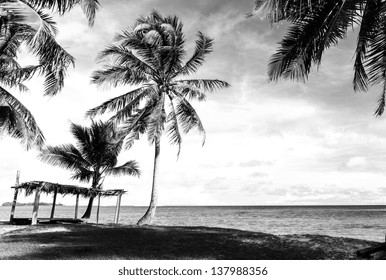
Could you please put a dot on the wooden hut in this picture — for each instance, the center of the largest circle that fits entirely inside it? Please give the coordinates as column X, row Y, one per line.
column 39, row 187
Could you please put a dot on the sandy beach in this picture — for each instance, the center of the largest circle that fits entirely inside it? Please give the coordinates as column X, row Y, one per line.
column 95, row 242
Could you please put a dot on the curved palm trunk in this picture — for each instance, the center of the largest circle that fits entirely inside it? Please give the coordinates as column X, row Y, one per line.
column 95, row 182
column 87, row 214
column 150, row 213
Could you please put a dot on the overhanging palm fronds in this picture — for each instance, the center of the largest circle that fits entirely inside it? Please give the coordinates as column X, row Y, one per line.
column 17, row 121
column 316, row 25
column 27, row 22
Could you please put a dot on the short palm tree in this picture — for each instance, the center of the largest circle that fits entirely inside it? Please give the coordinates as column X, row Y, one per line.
column 24, row 22
column 93, row 157
column 317, row 25
column 151, row 55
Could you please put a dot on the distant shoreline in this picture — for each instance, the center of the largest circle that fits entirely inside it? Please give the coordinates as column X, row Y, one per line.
column 31, row 204
column 219, row 206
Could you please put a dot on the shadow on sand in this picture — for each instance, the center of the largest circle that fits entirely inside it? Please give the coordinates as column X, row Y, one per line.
column 89, row 241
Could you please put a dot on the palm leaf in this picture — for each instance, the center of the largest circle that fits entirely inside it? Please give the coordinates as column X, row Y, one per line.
column 204, row 84
column 188, row 118
column 128, row 100
column 129, row 109
column 156, row 120
column 138, row 123
column 204, row 46
column 118, row 75
column 371, row 19
column 308, row 37
column 129, row 168
column 125, row 57
column 65, row 156
column 173, row 129
column 89, row 7
column 26, row 127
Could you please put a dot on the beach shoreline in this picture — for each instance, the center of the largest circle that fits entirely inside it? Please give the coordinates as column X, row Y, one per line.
column 117, row 242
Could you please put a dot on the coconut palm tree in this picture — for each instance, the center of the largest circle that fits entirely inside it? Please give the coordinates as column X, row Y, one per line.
column 94, row 156
column 24, row 23
column 316, row 25
column 150, row 55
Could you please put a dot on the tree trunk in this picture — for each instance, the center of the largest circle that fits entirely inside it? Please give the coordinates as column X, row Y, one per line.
column 87, row 214
column 95, row 185
column 150, row 213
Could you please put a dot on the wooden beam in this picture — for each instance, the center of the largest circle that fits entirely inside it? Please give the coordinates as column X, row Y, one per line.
column 54, row 203
column 117, row 208
column 76, row 206
column 15, row 197
column 99, row 203
column 36, row 207
column 13, row 205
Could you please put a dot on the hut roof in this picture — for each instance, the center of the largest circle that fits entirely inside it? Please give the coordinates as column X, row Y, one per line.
column 48, row 187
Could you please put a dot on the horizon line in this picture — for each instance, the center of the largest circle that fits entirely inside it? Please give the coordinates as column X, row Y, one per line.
column 241, row 205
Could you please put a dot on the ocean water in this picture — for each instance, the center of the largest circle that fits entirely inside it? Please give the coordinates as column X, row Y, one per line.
column 363, row 222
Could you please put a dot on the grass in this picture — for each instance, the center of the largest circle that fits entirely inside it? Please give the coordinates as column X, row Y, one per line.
column 94, row 242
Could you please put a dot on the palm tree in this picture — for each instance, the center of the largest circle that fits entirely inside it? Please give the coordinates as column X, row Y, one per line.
column 315, row 25
column 24, row 22
column 94, row 156
column 151, row 55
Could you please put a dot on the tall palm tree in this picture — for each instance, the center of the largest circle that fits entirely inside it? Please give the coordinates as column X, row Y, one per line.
column 93, row 157
column 150, row 55
column 316, row 25
column 25, row 23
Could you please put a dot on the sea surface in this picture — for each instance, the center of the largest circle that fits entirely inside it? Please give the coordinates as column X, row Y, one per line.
column 363, row 222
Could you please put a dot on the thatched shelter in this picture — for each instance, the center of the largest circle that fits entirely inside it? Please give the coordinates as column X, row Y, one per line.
column 54, row 188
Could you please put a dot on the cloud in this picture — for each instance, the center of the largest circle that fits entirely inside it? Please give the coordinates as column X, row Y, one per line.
column 255, row 163
column 357, row 162
column 258, row 174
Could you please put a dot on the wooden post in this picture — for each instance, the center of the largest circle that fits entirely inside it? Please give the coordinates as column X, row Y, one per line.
column 15, row 197
column 117, row 208
column 36, row 207
column 76, row 206
column 54, row 203
column 99, row 202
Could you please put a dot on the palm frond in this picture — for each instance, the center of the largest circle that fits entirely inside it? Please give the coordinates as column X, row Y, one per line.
column 190, row 92
column 89, row 7
column 83, row 175
column 125, row 57
column 371, row 19
column 156, row 120
column 65, row 156
column 129, row 109
column 127, row 100
column 129, row 168
column 308, row 37
column 381, row 102
column 188, row 118
column 130, row 39
column 25, row 126
column 205, row 84
column 204, row 46
column 54, row 61
column 173, row 129
column 138, row 123
column 277, row 10
column 118, row 75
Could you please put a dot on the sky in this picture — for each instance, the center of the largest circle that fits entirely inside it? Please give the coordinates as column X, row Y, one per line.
column 284, row 143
